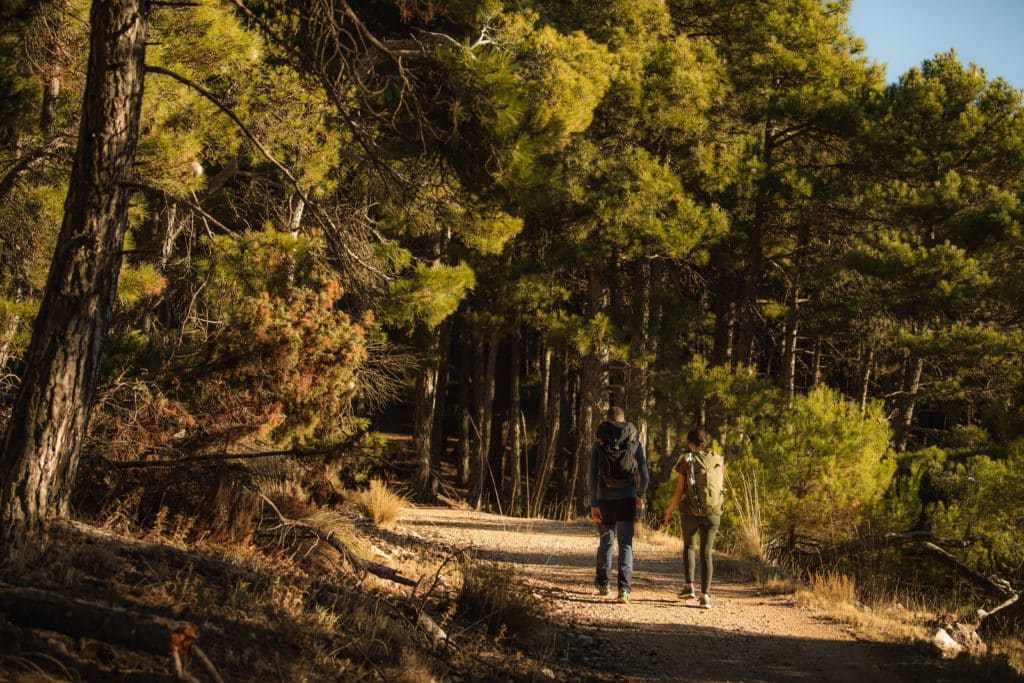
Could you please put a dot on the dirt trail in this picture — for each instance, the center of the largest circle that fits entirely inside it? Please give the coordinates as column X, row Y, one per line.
column 744, row 637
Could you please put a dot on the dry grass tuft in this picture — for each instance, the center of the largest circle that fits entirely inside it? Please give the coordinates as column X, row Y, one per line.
column 778, row 584
column 748, row 541
column 833, row 587
column 381, row 504
column 659, row 538
column 492, row 595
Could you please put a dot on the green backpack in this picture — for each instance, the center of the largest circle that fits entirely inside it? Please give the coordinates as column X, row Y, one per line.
column 703, row 494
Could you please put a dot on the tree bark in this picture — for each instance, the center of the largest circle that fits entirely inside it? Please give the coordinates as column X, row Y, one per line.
column 914, row 368
column 550, row 425
column 466, row 438
column 48, row 113
column 788, row 376
column 514, row 439
column 425, row 414
column 1004, row 619
column 87, row 619
column 51, row 413
column 865, row 378
column 485, row 358
column 487, row 417
column 586, row 427
column 423, row 428
column 439, row 437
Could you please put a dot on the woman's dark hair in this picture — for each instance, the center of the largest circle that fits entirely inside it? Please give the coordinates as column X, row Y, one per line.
column 698, row 437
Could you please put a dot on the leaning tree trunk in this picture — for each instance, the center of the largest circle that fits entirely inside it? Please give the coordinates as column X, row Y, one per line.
column 50, row 416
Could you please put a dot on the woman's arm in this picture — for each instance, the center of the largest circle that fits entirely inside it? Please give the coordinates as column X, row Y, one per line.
column 675, row 500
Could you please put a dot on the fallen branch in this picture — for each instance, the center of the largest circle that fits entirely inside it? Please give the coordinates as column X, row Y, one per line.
column 216, row 458
column 358, row 564
column 1005, row 618
column 931, row 544
column 34, row 608
column 963, row 570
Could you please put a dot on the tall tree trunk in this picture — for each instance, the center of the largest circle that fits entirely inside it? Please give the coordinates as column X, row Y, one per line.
column 485, row 358
column 439, row 438
column 548, row 431
column 665, row 439
column 425, row 413
column 170, row 227
column 865, row 377
column 297, row 211
column 51, row 91
column 565, row 462
column 487, row 421
column 425, row 395
column 589, row 410
column 648, row 350
column 514, row 438
column 478, row 454
column 466, row 430
column 787, row 379
column 50, row 416
column 755, row 267
column 913, row 368
column 7, row 334
column 816, row 363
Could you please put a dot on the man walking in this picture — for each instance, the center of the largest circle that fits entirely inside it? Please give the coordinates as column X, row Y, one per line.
column 618, row 483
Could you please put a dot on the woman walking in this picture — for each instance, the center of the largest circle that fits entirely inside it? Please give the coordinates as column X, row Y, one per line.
column 699, row 498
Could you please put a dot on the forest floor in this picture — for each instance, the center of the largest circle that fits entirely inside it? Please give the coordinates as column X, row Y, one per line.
column 287, row 610
column 748, row 635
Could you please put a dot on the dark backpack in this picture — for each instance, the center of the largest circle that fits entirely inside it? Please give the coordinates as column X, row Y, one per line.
column 616, row 454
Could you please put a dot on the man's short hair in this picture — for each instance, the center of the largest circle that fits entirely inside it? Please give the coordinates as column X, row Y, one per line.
column 616, row 414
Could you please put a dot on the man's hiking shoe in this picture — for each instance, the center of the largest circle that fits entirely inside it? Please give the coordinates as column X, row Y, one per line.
column 687, row 594
column 603, row 590
column 704, row 602
column 623, row 597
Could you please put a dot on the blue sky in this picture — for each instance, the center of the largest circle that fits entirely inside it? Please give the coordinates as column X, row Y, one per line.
column 903, row 33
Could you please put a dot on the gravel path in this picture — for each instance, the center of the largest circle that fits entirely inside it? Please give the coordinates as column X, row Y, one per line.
column 746, row 636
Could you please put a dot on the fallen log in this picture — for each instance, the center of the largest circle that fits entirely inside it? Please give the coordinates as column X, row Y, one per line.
column 358, row 564
column 35, row 608
column 1005, row 619
column 932, row 545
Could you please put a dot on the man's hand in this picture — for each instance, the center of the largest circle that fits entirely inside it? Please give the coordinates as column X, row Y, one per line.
column 639, row 503
column 595, row 513
column 668, row 519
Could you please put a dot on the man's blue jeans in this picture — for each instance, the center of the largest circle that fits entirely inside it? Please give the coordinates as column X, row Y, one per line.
column 618, row 519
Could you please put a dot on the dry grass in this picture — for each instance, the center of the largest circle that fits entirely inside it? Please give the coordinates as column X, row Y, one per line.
column 833, row 587
column 835, row 594
column 381, row 504
column 748, row 541
column 778, row 584
column 659, row 538
column 493, row 595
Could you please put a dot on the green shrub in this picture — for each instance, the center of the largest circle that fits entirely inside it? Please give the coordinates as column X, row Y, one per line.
column 824, row 466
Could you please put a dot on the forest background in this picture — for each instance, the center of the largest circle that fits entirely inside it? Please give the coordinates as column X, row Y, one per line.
column 481, row 223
